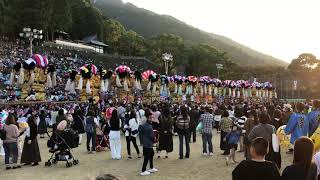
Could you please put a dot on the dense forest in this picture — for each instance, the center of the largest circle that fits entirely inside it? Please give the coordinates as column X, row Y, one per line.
column 80, row 18
column 150, row 24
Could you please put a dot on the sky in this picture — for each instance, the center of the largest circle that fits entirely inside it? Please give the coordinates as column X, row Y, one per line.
column 280, row 28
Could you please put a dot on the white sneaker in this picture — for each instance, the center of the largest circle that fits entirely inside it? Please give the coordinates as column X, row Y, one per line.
column 146, row 173
column 211, row 154
column 205, row 154
column 153, row 170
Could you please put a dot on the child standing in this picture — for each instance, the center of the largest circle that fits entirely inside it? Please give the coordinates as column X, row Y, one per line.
column 232, row 138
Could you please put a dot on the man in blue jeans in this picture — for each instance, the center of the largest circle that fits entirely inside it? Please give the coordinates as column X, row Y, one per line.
column 207, row 120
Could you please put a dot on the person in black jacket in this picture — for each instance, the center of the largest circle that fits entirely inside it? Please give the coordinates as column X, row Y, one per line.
column 257, row 168
column 42, row 127
column 147, row 141
column 78, row 123
column 165, row 135
column 194, row 120
column 31, row 152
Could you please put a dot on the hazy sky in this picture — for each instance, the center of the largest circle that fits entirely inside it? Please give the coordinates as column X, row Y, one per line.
column 281, row 28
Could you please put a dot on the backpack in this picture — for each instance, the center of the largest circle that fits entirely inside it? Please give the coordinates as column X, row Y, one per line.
column 3, row 134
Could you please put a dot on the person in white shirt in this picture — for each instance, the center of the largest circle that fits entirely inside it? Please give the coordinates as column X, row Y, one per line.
column 131, row 132
column 217, row 118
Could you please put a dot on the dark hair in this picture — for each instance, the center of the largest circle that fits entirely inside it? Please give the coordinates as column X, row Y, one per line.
column 184, row 112
column 225, row 113
column 61, row 112
column 207, row 109
column 260, row 146
column 303, row 153
column 78, row 112
column 31, row 120
column 132, row 114
column 153, row 108
column 147, row 113
column 277, row 114
column 166, row 111
column 300, row 107
column 316, row 104
column 90, row 113
column 264, row 118
column 238, row 111
column 114, row 115
column 10, row 120
column 254, row 113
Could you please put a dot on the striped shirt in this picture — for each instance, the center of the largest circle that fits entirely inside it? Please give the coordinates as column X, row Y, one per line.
column 240, row 123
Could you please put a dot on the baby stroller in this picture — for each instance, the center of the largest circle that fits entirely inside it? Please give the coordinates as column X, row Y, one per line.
column 102, row 141
column 61, row 144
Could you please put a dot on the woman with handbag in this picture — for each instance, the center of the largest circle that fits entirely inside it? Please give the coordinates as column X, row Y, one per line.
column 131, row 133
column 266, row 131
column 165, row 138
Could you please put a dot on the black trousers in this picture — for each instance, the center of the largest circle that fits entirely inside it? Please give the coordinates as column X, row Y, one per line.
column 148, row 154
column 186, row 137
column 224, row 144
column 193, row 133
column 134, row 142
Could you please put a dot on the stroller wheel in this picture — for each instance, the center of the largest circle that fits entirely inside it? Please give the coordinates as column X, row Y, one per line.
column 54, row 161
column 48, row 163
column 69, row 164
column 75, row 162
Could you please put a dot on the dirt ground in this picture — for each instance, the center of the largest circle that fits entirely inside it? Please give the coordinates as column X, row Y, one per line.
column 197, row 167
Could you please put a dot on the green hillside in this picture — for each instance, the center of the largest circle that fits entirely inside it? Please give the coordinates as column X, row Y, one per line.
column 149, row 24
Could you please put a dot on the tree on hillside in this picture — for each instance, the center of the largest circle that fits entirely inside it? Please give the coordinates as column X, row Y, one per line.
column 86, row 20
column 61, row 16
column 46, row 14
column 167, row 43
column 131, row 44
column 305, row 61
column 113, row 31
column 7, row 20
column 202, row 59
column 28, row 13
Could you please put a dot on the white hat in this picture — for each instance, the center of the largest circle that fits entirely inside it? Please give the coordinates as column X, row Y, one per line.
column 287, row 106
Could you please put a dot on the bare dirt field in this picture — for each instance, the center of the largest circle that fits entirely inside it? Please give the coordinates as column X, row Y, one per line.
column 197, row 167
